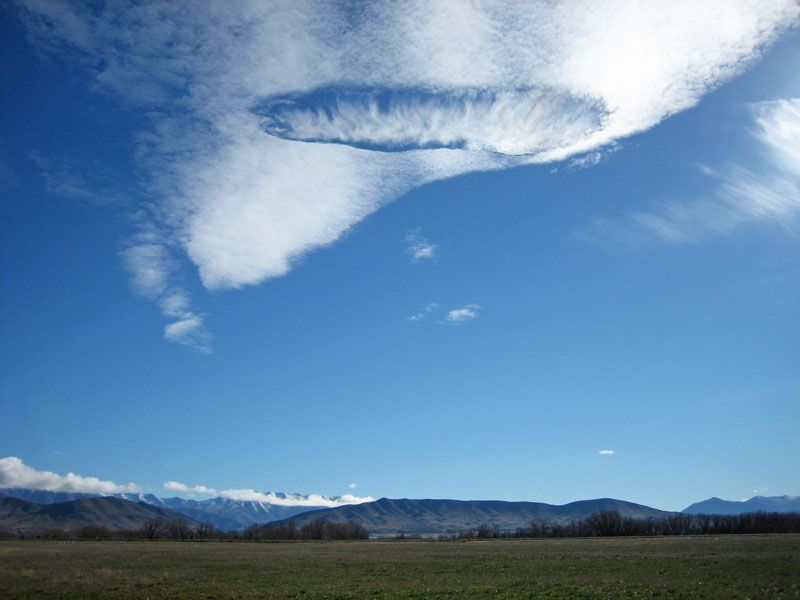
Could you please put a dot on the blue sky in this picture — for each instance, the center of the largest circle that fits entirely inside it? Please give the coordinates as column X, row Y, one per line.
column 273, row 249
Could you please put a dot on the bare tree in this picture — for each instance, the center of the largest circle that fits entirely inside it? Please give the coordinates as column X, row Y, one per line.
column 178, row 529
column 605, row 522
column 313, row 530
column 152, row 529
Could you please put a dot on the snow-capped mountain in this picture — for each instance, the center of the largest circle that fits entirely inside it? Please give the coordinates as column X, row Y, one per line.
column 222, row 513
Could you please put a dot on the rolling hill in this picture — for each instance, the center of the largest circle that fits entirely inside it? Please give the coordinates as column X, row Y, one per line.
column 387, row 517
column 718, row 506
column 23, row 516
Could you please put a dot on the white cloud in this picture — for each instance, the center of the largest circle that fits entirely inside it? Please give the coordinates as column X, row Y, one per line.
column 88, row 182
column 352, row 486
column 458, row 86
column 460, row 315
column 607, row 452
column 16, row 474
column 507, row 121
column 248, row 495
column 176, row 486
column 419, row 247
column 294, row 499
column 429, row 308
column 770, row 194
column 592, row 159
column 152, row 270
column 149, row 264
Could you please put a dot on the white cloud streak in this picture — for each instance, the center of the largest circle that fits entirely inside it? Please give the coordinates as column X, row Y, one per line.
column 605, row 452
column 66, row 177
column 459, row 87
column 14, row 473
column 744, row 196
column 152, row 271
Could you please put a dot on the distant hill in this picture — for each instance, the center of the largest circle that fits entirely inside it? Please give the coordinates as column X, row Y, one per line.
column 387, row 517
column 23, row 516
column 718, row 506
column 44, row 496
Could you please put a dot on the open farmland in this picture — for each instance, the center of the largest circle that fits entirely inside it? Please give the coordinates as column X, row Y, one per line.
column 683, row 567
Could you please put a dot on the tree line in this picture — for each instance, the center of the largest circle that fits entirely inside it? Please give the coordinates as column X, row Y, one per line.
column 610, row 523
column 598, row 524
column 181, row 530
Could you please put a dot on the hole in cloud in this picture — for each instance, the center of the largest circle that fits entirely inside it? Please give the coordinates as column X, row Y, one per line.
column 506, row 121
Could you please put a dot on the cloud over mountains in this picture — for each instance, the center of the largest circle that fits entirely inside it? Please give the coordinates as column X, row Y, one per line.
column 277, row 499
column 16, row 474
column 275, row 127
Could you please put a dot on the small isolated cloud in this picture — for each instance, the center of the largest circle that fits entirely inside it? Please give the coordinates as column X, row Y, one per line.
column 419, row 247
column 607, row 452
column 464, row 314
column 16, row 474
column 352, row 486
column 189, row 330
column 177, row 486
column 429, row 308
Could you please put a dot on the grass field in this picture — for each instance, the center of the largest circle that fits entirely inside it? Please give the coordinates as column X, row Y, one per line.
column 691, row 567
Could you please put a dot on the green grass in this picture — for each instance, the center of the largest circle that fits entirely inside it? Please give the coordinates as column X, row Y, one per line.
column 692, row 567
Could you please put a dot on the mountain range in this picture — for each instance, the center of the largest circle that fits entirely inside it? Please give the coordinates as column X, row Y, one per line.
column 24, row 510
column 223, row 513
column 718, row 506
column 388, row 517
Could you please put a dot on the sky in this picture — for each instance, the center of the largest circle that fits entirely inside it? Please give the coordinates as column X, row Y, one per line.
column 540, row 252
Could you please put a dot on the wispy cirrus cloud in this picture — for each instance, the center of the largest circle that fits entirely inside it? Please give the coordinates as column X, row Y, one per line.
column 605, row 452
column 14, row 473
column 152, row 273
column 275, row 128
column 743, row 195
column 66, row 177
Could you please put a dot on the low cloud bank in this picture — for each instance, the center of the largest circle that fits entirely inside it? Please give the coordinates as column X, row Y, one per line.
column 14, row 473
column 278, row 499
